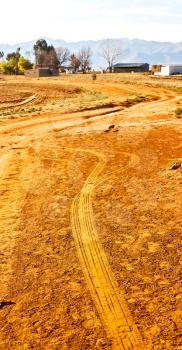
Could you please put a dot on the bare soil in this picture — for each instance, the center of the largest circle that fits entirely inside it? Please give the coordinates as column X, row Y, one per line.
column 90, row 213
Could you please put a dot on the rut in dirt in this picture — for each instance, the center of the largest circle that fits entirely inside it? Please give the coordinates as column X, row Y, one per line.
column 110, row 304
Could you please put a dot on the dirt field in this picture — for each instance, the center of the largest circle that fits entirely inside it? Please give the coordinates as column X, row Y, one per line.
column 90, row 213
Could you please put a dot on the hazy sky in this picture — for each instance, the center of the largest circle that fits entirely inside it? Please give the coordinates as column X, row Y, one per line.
column 74, row 20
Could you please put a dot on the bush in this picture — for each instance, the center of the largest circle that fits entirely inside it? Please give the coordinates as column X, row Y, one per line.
column 94, row 76
column 178, row 112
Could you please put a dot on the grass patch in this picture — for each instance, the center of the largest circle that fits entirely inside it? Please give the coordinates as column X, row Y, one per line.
column 141, row 98
column 94, row 96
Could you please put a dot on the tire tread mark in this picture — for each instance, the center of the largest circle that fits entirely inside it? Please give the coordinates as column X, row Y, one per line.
column 110, row 304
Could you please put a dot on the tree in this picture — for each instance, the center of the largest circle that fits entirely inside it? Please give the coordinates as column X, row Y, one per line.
column 75, row 62
column 51, row 59
column 24, row 64
column 15, row 63
column 3, row 67
column 7, row 67
column 45, row 56
column 13, row 59
column 14, row 55
column 110, row 51
column 84, row 57
column 40, row 49
column 63, row 55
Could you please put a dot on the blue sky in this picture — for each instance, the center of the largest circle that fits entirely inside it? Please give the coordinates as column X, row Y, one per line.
column 74, row 20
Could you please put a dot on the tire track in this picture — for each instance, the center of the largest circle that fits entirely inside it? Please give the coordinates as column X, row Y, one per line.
column 110, row 304
column 22, row 103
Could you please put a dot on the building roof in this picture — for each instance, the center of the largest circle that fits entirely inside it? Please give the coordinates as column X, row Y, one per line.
column 66, row 67
column 128, row 65
column 172, row 65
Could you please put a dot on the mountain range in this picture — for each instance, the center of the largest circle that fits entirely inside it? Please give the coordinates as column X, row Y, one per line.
column 134, row 50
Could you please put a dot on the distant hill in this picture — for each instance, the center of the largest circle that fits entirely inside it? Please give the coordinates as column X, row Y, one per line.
column 134, row 50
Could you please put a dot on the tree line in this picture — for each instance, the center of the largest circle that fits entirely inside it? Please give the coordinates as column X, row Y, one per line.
column 14, row 63
column 49, row 56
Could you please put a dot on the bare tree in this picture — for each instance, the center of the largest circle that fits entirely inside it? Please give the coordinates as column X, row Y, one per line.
column 84, row 57
column 111, row 52
column 74, row 62
column 63, row 55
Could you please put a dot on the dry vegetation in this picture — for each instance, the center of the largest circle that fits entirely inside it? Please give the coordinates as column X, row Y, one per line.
column 51, row 133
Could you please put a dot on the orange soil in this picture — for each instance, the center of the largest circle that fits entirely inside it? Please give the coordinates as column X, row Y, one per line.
column 90, row 215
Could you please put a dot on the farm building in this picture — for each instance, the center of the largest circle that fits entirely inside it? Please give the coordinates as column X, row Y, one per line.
column 130, row 67
column 172, row 69
column 155, row 68
column 66, row 69
column 41, row 72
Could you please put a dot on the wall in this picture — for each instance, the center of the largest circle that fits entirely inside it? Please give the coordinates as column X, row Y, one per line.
column 170, row 70
column 41, row 72
column 31, row 73
column 165, row 70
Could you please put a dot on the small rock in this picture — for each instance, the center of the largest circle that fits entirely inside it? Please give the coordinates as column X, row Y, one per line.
column 104, row 343
column 111, row 126
column 5, row 303
column 176, row 166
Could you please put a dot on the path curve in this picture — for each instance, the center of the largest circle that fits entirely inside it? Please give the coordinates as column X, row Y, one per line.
column 22, row 103
column 110, row 304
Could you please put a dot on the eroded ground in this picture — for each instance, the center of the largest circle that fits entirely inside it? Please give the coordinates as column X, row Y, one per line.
column 126, row 223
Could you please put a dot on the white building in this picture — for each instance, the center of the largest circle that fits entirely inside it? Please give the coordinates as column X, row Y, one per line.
column 171, row 69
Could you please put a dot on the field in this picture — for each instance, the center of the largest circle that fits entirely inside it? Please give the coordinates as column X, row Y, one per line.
column 90, row 214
